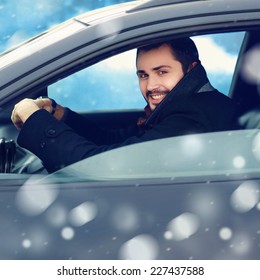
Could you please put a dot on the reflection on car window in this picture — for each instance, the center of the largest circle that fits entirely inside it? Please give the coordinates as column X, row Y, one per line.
column 112, row 84
column 219, row 153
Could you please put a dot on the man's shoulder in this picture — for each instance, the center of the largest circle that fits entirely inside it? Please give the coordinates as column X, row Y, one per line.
column 211, row 97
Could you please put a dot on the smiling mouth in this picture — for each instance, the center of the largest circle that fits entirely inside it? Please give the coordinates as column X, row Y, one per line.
column 155, row 96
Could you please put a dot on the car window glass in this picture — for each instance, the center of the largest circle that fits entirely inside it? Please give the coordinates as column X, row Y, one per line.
column 112, row 84
column 181, row 157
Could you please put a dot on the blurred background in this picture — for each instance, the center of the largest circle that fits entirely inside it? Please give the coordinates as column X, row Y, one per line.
column 22, row 19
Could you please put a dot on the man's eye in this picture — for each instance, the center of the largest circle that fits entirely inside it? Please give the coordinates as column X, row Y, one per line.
column 162, row 72
column 142, row 76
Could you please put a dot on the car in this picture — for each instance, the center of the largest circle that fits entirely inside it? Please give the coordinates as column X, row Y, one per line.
column 184, row 198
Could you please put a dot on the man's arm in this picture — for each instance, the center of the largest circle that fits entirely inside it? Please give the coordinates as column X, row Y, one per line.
column 58, row 145
column 81, row 125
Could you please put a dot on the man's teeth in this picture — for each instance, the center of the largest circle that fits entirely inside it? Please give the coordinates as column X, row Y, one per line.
column 158, row 96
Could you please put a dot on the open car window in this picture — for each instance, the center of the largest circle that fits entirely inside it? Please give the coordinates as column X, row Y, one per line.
column 112, row 84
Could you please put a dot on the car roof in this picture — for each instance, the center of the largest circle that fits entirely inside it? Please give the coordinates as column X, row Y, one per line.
column 88, row 38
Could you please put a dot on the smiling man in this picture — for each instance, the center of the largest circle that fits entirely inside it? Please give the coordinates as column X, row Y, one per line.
column 180, row 100
column 159, row 69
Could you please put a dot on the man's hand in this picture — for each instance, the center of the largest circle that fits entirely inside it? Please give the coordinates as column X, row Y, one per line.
column 25, row 108
column 44, row 103
column 51, row 106
column 22, row 111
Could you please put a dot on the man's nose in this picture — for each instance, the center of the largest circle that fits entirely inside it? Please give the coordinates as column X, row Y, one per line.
column 152, row 83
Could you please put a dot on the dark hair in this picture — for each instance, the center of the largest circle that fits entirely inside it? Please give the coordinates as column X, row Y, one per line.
column 183, row 49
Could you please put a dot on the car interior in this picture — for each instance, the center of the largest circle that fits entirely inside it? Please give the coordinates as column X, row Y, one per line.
column 246, row 93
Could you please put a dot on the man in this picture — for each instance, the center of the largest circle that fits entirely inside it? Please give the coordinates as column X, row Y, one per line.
column 180, row 100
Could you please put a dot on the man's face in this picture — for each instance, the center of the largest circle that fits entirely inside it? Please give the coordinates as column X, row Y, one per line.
column 158, row 73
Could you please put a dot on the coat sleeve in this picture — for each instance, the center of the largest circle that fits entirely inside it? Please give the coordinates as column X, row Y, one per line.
column 93, row 132
column 58, row 145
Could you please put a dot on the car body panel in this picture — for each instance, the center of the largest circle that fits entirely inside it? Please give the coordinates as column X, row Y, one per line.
column 116, row 217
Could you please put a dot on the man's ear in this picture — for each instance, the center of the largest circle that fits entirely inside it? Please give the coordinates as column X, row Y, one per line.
column 193, row 64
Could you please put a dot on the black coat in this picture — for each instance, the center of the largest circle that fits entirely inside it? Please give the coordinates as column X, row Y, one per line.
column 193, row 106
